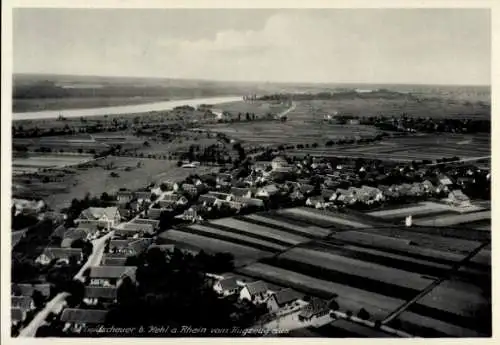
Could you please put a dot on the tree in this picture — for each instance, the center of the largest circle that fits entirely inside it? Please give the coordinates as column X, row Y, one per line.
column 363, row 314
column 38, row 299
column 333, row 305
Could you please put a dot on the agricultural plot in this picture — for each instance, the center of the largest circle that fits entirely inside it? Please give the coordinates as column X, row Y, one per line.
column 242, row 254
column 359, row 268
column 422, row 208
column 309, row 230
column 349, row 298
column 430, row 327
column 259, row 108
column 260, row 230
column 331, row 218
column 258, row 242
column 397, row 247
column 410, row 148
column 454, row 219
column 40, row 161
column 434, row 241
column 380, row 257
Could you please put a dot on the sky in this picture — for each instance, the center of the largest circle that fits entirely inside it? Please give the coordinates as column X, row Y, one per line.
column 393, row 46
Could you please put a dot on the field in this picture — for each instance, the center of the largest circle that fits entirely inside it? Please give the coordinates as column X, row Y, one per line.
column 259, row 108
column 454, row 219
column 242, row 253
column 438, row 215
column 335, row 220
column 415, row 147
column 34, row 162
column 360, row 265
column 96, row 179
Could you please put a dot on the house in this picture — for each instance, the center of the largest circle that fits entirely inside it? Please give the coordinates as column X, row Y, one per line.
column 226, row 286
column 105, row 217
column 154, row 213
column 131, row 228
column 278, row 162
column 296, row 195
column 182, row 201
column 17, row 316
column 223, row 178
column 327, row 193
column 94, row 294
column 220, row 196
column 458, row 198
column 154, row 224
column 143, row 196
column 60, row 254
column 428, row 187
column 29, row 289
column 124, row 197
column 261, row 165
column 316, row 201
column 241, row 192
column 236, row 205
column 129, row 247
column 207, row 200
column 191, row 189
column 249, row 201
column 282, row 299
column 306, row 189
column 190, row 214
column 28, row 206
column 113, row 260
column 25, row 303
column 110, row 275
column 75, row 234
column 171, row 185
column 76, row 319
column 316, row 308
column 255, row 292
column 374, row 194
column 267, row 191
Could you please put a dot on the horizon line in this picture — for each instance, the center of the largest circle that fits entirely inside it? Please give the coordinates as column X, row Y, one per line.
column 247, row 81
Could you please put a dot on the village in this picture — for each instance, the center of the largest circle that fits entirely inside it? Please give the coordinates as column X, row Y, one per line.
column 103, row 239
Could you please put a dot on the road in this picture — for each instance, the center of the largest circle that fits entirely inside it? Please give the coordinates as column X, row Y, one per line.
column 57, row 303
column 291, row 321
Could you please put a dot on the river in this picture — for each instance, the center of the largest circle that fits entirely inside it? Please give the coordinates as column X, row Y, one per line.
column 122, row 109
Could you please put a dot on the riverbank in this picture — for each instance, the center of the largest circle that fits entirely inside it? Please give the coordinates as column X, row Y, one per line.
column 123, row 109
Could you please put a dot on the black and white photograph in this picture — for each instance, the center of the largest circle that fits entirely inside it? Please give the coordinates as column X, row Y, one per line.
column 218, row 172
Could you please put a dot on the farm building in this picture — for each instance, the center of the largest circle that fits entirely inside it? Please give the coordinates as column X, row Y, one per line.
column 98, row 294
column 113, row 260
column 316, row 308
column 255, row 292
column 316, row 201
column 267, row 191
column 226, row 286
column 282, row 299
column 110, row 275
column 106, row 217
column 191, row 189
column 207, row 200
column 458, row 198
column 60, row 254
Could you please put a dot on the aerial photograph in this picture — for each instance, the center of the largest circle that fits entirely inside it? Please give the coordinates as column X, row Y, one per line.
column 286, row 173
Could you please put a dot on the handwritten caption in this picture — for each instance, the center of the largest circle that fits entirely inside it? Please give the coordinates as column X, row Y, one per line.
column 184, row 331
